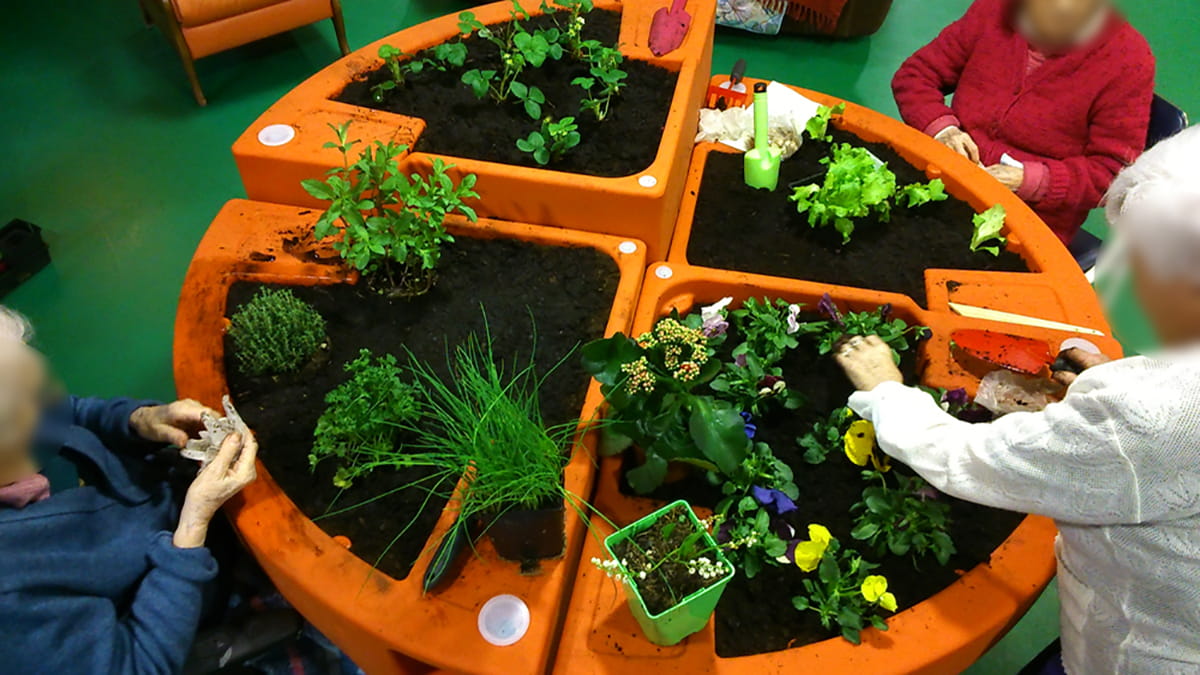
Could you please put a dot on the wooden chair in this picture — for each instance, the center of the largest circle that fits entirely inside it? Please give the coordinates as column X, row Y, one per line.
column 199, row 28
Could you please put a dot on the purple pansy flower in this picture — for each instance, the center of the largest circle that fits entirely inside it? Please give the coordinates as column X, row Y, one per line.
column 751, row 428
column 789, row 556
column 775, row 501
column 885, row 312
column 713, row 317
column 829, row 309
column 724, row 532
column 769, row 381
column 956, row 397
column 927, row 493
column 740, row 360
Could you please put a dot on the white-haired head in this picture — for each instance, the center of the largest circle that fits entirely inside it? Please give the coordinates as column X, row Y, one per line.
column 1154, row 208
column 14, row 326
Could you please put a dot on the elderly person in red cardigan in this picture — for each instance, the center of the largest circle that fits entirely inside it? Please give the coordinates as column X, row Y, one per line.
column 1051, row 97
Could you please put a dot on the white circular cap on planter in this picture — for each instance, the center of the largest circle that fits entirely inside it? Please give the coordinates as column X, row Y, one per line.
column 627, row 247
column 276, row 134
column 504, row 620
column 647, row 181
column 664, row 272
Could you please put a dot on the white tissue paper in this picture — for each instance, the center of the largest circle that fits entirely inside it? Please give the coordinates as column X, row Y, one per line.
column 787, row 113
column 204, row 449
column 1003, row 392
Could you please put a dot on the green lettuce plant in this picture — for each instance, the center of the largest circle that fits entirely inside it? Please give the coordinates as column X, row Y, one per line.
column 856, row 185
column 920, row 194
column 988, row 226
column 817, row 126
column 384, row 223
column 275, row 332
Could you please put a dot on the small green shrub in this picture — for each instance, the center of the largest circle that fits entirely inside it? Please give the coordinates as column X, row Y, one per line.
column 275, row 332
column 362, row 423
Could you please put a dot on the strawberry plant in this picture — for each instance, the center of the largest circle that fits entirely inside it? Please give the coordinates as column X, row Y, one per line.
column 519, row 49
column 401, row 64
column 384, row 223
column 605, row 81
column 552, row 142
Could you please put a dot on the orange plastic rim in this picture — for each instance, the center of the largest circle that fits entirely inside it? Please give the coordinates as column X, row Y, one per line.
column 385, row 625
column 641, row 206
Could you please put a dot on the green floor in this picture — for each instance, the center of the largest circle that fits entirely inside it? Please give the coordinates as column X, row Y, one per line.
column 107, row 151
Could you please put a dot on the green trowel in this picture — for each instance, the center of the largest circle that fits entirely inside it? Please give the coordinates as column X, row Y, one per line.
column 762, row 162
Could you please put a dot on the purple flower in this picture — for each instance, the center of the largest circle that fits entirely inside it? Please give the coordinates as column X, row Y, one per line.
column 714, row 327
column 782, row 529
column 956, row 397
column 885, row 312
column 793, row 319
column 751, row 429
column 769, row 381
column 790, row 555
column 829, row 309
column 927, row 493
column 724, row 532
column 740, row 360
column 775, row 501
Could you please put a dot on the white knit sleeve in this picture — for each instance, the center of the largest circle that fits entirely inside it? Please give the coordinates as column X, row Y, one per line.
column 1068, row 462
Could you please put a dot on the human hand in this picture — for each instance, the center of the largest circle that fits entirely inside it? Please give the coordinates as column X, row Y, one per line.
column 1080, row 358
column 959, row 141
column 1010, row 176
column 868, row 362
column 230, row 471
column 173, row 423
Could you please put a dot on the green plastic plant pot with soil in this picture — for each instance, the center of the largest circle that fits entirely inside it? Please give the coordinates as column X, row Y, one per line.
column 691, row 614
column 624, row 175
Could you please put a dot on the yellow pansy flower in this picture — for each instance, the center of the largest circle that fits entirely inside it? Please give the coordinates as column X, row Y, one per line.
column 874, row 589
column 860, row 446
column 809, row 553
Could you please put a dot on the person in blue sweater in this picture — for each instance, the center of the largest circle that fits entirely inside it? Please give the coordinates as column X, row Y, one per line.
column 106, row 574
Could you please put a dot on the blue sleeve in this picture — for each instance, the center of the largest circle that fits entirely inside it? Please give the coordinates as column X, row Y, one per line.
column 72, row 634
column 108, row 418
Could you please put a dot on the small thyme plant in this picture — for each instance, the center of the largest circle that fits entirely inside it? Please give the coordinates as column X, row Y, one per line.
column 275, row 332
column 907, row 519
column 361, row 425
column 384, row 223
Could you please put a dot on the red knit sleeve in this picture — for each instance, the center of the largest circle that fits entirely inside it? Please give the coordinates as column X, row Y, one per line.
column 928, row 76
column 1116, row 135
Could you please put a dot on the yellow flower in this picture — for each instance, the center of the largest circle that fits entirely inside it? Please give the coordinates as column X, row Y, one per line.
column 860, row 446
column 809, row 553
column 874, row 589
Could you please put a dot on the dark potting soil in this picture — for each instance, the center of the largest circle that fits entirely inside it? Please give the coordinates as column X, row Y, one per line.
column 756, row 615
column 460, row 125
column 671, row 581
column 739, row 228
column 568, row 292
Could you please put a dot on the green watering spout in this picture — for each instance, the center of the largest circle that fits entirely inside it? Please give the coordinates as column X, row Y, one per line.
column 762, row 162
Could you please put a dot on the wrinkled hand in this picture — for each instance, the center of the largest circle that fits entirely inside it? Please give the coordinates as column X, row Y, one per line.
column 959, row 141
column 1010, row 176
column 173, row 423
column 1080, row 358
column 230, row 471
column 868, row 362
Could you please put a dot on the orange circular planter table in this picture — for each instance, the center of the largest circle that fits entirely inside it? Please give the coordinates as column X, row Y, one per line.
column 951, row 630
column 385, row 625
column 641, row 206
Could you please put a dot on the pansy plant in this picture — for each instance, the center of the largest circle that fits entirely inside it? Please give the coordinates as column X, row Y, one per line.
column 907, row 519
column 752, row 527
column 827, row 436
column 894, row 331
column 768, row 331
column 844, row 592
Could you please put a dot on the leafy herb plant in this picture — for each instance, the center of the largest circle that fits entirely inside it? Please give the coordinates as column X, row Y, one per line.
column 362, row 423
column 275, row 332
column 553, row 141
column 988, row 226
column 845, row 593
column 401, row 64
column 905, row 520
column 384, row 223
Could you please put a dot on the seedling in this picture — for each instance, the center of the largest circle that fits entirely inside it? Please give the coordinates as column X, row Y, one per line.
column 401, row 64
column 606, row 79
column 519, row 49
column 905, row 520
column 817, row 126
column 390, row 224
column 553, row 141
column 275, row 333
column 918, row 194
column 988, row 226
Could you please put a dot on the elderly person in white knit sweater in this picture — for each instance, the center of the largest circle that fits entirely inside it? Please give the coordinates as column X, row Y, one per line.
column 1116, row 463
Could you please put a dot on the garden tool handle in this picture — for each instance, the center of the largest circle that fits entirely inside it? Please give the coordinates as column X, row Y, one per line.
column 738, row 72
column 678, row 6
column 760, row 117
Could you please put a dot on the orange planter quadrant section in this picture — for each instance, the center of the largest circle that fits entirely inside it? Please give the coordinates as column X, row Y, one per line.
column 386, row 626
column 641, row 206
column 944, row 634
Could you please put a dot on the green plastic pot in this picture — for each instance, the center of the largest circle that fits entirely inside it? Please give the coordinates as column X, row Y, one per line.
column 691, row 615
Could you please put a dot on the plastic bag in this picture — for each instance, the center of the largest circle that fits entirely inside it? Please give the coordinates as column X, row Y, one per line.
column 1003, row 392
column 764, row 17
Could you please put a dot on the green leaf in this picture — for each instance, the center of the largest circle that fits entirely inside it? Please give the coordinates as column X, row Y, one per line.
column 800, row 602
column 533, row 109
column 988, row 226
column 648, row 476
column 865, row 530
column 317, row 188
column 719, row 433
